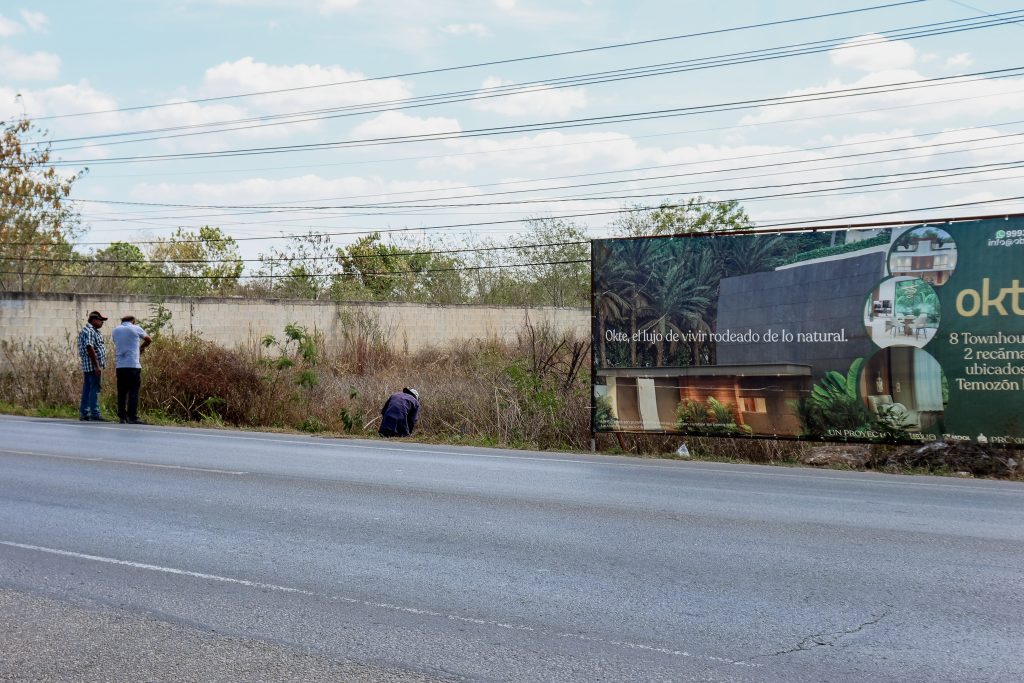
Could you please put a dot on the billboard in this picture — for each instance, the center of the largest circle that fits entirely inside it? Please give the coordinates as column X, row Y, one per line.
column 891, row 333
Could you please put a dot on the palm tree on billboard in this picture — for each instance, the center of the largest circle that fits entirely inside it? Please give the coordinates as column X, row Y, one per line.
column 677, row 301
column 609, row 305
column 742, row 255
column 628, row 272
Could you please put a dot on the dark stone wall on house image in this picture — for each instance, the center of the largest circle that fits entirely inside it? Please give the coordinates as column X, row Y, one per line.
column 825, row 297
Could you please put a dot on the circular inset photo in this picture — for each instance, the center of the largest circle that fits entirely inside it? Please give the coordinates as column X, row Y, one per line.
column 904, row 388
column 902, row 311
column 927, row 253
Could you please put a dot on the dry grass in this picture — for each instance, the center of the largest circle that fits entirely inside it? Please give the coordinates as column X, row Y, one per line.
column 41, row 375
column 530, row 394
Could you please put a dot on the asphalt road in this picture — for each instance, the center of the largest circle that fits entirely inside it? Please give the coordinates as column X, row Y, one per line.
column 157, row 553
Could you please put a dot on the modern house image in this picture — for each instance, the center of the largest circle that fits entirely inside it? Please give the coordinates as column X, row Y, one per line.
column 646, row 400
column 926, row 253
column 815, row 299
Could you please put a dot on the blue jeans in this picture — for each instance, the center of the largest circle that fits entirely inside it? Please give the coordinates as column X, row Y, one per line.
column 90, row 405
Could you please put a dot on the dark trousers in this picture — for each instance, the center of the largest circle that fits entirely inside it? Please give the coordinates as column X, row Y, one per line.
column 128, row 382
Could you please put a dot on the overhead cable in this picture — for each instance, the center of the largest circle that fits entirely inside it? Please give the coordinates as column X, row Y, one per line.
column 779, row 22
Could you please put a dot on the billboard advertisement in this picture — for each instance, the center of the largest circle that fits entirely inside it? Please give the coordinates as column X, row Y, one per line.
column 893, row 333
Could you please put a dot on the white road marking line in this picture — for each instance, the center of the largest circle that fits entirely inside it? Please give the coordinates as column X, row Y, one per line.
column 116, row 461
column 680, row 467
column 375, row 605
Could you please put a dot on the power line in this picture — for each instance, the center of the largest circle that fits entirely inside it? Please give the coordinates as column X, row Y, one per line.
column 291, row 275
column 730, row 59
column 642, row 209
column 820, row 222
column 502, row 150
column 513, row 60
column 478, row 224
column 291, row 259
column 289, row 207
column 574, row 123
column 697, row 173
column 764, row 228
column 578, row 198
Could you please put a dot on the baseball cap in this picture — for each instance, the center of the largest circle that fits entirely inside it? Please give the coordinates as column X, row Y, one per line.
column 415, row 393
column 96, row 314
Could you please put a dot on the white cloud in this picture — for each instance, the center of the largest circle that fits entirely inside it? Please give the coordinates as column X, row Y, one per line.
column 872, row 52
column 248, row 75
column 544, row 150
column 974, row 99
column 332, row 6
column 542, row 14
column 396, row 124
column 478, row 30
column 37, row 21
column 38, row 66
column 960, row 60
column 8, row 27
column 326, row 7
column 539, row 100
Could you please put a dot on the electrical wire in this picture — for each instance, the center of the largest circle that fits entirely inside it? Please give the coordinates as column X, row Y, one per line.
column 350, row 232
column 502, row 150
column 574, row 123
column 290, row 275
column 513, row 60
column 289, row 207
column 506, row 90
column 279, row 221
column 760, row 229
column 303, row 259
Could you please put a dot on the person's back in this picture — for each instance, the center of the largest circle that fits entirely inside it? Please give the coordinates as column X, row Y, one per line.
column 400, row 413
column 127, row 339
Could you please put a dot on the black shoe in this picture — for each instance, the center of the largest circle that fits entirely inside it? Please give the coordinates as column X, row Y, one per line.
column 99, row 418
column 136, row 422
column 123, row 420
column 84, row 418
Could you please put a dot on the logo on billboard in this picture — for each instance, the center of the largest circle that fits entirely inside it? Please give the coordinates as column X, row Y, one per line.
column 1007, row 238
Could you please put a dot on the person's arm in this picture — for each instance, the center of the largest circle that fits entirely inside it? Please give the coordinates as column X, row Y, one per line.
column 96, row 370
column 146, row 341
column 414, row 415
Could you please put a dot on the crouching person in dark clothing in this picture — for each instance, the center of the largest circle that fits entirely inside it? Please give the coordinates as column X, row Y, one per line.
column 402, row 409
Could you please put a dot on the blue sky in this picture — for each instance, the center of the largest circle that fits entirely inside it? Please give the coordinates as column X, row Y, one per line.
column 70, row 58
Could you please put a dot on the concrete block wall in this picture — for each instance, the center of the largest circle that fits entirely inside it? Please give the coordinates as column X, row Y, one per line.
column 30, row 317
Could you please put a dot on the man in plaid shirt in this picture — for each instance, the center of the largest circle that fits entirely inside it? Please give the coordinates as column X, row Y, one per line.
column 93, row 356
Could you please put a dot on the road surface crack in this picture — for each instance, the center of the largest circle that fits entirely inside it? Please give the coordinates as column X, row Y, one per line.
column 830, row 638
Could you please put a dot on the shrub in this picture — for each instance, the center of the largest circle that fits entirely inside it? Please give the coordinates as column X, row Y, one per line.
column 195, row 380
column 41, row 375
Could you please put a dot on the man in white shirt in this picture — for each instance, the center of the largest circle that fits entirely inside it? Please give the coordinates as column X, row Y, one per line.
column 130, row 341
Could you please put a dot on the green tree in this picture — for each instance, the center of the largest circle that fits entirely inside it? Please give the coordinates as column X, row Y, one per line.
column 695, row 215
column 372, row 269
column 196, row 263
column 121, row 268
column 304, row 269
column 561, row 276
column 37, row 221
